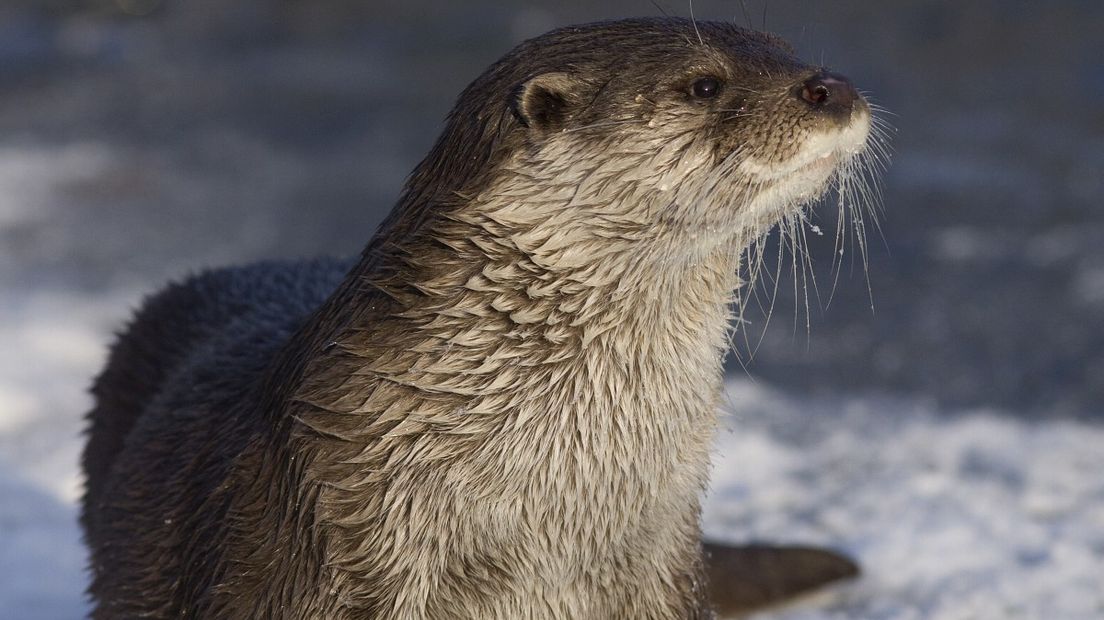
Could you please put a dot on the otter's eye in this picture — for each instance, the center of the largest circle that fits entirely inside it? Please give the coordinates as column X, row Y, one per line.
column 706, row 88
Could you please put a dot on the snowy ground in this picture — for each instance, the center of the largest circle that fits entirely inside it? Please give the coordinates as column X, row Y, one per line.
column 953, row 515
column 951, row 441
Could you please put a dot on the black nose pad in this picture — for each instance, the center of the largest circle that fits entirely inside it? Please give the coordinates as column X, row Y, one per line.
column 828, row 89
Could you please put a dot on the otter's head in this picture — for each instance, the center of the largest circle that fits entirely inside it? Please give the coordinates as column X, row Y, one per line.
column 665, row 127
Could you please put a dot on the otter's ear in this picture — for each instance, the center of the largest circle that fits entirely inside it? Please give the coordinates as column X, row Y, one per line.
column 545, row 102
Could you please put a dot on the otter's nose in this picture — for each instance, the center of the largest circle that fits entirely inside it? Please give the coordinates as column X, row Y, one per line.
column 829, row 90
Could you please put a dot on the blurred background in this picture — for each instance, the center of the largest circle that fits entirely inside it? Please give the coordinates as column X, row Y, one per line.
column 141, row 140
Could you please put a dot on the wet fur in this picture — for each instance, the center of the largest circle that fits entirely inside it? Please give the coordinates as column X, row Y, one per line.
column 504, row 409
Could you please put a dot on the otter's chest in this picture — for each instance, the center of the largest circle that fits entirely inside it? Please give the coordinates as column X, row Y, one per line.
column 607, row 447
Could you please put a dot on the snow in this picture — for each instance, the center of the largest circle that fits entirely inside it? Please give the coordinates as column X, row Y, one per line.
column 970, row 487
column 972, row 514
column 953, row 515
column 52, row 344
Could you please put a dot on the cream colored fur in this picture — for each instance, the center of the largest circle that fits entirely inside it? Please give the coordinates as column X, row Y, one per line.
column 546, row 403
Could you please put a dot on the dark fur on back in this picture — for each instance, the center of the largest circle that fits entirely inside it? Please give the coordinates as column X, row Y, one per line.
column 179, row 322
column 169, row 418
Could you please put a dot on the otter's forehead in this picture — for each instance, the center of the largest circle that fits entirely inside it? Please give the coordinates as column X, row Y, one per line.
column 642, row 46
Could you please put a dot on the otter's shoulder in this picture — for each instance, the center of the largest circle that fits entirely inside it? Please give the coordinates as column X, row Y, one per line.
column 188, row 322
column 172, row 322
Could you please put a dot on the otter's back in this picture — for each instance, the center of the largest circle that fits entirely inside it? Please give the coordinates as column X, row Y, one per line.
column 185, row 326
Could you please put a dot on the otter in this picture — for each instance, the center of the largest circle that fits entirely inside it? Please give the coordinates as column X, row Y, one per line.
column 504, row 407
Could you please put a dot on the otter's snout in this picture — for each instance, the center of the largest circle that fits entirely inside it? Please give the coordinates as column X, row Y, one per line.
column 829, row 93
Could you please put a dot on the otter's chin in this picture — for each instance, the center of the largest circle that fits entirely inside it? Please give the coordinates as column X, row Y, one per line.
column 811, row 180
column 788, row 185
column 822, row 152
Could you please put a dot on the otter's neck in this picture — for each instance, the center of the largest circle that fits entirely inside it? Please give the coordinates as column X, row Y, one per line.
column 530, row 304
column 471, row 307
column 501, row 381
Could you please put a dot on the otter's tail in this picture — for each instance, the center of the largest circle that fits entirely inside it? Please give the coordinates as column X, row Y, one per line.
column 748, row 578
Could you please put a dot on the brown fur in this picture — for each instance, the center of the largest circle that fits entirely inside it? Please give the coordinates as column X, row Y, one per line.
column 506, row 407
